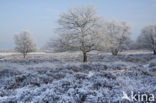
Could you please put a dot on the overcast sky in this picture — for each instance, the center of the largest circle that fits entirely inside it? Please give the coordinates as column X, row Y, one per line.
column 40, row 16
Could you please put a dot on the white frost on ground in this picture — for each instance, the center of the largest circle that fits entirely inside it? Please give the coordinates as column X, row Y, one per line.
column 48, row 78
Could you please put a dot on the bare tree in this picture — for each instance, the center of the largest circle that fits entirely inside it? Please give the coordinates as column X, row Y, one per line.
column 147, row 39
column 116, row 36
column 24, row 43
column 59, row 44
column 78, row 29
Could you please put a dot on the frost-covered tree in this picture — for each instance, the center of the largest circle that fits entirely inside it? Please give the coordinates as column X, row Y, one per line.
column 24, row 43
column 59, row 44
column 116, row 36
column 78, row 30
column 147, row 39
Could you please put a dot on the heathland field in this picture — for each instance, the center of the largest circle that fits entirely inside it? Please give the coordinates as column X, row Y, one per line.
column 63, row 78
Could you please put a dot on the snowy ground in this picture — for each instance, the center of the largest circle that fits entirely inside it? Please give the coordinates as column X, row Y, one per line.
column 62, row 78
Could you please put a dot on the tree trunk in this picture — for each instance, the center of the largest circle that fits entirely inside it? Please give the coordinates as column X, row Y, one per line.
column 24, row 55
column 154, row 52
column 115, row 52
column 84, row 57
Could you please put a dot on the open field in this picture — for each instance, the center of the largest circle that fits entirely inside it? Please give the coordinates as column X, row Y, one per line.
column 63, row 78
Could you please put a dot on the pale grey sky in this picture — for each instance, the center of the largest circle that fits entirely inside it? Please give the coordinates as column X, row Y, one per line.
column 40, row 16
